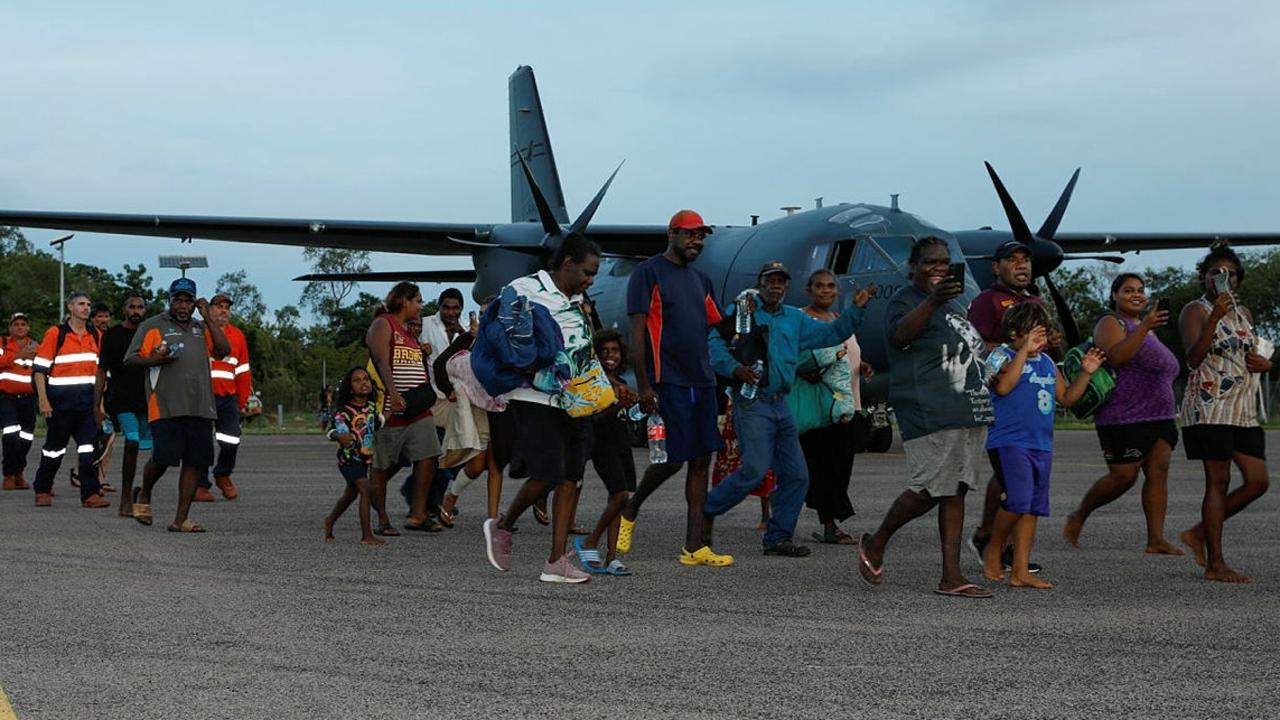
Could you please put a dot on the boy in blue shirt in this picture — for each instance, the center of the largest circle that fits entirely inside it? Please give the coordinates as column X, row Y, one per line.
column 1026, row 388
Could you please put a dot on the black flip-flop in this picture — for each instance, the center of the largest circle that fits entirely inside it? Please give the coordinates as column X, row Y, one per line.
column 427, row 527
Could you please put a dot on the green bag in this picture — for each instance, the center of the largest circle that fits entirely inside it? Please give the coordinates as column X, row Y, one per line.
column 1101, row 385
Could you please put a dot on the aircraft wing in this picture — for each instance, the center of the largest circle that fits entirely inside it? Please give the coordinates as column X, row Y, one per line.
column 1135, row 241
column 381, row 236
column 433, row 276
column 639, row 241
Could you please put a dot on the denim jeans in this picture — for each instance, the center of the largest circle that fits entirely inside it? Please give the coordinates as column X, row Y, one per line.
column 768, row 438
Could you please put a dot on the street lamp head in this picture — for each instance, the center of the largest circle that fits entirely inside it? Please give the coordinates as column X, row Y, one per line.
column 59, row 241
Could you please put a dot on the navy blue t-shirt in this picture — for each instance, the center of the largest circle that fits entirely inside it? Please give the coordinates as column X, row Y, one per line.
column 679, row 306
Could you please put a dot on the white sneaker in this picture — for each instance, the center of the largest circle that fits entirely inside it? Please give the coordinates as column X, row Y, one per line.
column 563, row 571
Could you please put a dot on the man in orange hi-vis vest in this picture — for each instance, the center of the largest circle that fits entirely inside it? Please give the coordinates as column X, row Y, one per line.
column 232, row 385
column 64, row 371
column 17, row 400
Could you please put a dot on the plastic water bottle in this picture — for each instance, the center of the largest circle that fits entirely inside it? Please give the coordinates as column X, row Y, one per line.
column 107, row 427
column 341, row 428
column 749, row 391
column 742, row 315
column 176, row 349
column 657, row 439
column 366, row 443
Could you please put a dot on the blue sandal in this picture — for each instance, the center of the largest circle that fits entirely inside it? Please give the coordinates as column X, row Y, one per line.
column 617, row 568
column 589, row 558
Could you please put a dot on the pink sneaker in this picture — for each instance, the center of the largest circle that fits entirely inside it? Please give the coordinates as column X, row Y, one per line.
column 497, row 544
column 563, row 570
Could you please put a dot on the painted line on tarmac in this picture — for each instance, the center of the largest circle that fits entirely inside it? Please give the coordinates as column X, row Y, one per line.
column 6, row 710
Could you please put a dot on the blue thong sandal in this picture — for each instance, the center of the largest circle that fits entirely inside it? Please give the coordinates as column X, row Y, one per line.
column 588, row 558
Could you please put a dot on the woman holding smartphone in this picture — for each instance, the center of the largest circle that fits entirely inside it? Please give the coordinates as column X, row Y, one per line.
column 1220, row 407
column 1135, row 427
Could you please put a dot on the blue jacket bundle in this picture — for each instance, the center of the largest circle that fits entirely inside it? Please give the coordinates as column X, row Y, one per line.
column 516, row 338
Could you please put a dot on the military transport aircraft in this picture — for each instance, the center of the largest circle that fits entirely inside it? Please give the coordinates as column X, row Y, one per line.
column 861, row 243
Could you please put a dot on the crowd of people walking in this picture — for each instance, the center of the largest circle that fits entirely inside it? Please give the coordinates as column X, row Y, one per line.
column 533, row 386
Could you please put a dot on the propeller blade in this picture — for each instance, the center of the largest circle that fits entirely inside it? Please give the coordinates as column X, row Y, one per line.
column 1021, row 232
column 580, row 225
column 1051, row 223
column 1104, row 258
column 1069, row 329
column 549, row 224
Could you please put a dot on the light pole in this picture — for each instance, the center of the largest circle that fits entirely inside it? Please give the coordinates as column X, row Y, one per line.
column 62, row 266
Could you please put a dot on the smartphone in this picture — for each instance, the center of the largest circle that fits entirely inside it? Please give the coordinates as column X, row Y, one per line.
column 472, row 316
column 957, row 273
column 1162, row 305
column 1222, row 281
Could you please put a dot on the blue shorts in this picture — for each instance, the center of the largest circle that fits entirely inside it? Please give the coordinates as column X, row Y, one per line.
column 135, row 429
column 1025, row 476
column 351, row 472
column 690, row 416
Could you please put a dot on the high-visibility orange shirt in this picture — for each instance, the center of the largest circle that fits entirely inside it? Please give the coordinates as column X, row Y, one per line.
column 15, row 373
column 231, row 374
column 71, row 370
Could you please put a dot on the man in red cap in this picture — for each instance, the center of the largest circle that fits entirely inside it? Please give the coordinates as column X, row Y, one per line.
column 232, row 385
column 672, row 306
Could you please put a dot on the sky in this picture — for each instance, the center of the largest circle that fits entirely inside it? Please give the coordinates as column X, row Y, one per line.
column 398, row 111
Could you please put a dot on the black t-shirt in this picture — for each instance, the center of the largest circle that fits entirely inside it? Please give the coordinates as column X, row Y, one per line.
column 126, row 387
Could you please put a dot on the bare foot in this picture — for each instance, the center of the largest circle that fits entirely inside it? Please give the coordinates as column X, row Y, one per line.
column 992, row 563
column 1029, row 581
column 1163, row 547
column 1227, row 575
column 1194, row 540
column 1071, row 530
column 328, row 530
column 369, row 541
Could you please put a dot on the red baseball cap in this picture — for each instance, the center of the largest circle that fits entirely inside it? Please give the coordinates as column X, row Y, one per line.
column 688, row 220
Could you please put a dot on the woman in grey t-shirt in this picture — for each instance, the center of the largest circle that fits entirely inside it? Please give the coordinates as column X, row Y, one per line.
column 939, row 396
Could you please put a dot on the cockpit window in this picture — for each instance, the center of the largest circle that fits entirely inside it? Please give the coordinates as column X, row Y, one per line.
column 868, row 256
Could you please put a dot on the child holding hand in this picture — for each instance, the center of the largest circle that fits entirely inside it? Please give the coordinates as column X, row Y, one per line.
column 354, row 420
column 1026, row 389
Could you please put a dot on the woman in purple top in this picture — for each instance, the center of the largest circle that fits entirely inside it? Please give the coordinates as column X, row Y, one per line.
column 1136, row 427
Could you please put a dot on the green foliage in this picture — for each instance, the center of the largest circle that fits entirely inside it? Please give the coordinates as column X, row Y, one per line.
column 246, row 300
column 324, row 298
column 29, row 282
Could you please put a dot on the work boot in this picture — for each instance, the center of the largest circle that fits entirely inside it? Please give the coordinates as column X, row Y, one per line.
column 44, row 499
column 95, row 501
column 227, row 487
column 21, row 482
column 10, row 482
column 202, row 495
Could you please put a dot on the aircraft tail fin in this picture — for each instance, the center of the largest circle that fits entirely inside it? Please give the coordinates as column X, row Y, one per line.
column 529, row 137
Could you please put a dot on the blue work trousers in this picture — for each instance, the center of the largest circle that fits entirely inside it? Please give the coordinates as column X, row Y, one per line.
column 768, row 438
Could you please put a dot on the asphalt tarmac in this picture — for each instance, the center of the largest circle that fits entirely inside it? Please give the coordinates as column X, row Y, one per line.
column 105, row 618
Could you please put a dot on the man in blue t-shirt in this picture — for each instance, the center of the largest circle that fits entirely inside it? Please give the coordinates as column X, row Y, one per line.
column 672, row 306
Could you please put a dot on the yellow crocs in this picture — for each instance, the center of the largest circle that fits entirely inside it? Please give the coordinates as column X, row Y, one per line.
column 625, row 527
column 705, row 556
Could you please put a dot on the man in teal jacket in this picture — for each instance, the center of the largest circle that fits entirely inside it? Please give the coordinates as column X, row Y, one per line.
column 766, row 431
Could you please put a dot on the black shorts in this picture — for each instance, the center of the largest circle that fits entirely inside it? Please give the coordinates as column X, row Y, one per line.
column 550, row 445
column 185, row 441
column 612, row 457
column 1124, row 444
column 351, row 472
column 1220, row 442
